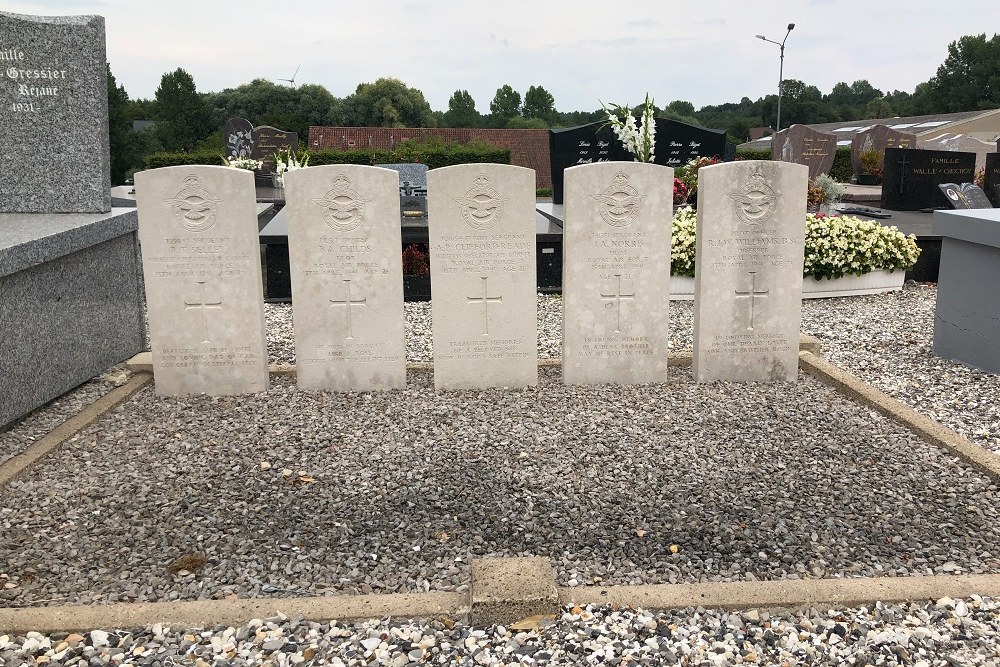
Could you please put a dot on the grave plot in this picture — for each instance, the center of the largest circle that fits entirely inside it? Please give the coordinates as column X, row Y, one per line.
column 290, row 493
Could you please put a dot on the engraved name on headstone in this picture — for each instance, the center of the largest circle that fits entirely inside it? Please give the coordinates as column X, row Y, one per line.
column 803, row 145
column 482, row 240
column 55, row 156
column 748, row 271
column 616, row 291
column 201, row 264
column 911, row 177
column 991, row 179
column 269, row 140
column 347, row 277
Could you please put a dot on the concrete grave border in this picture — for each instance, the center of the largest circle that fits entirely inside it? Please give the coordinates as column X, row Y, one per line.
column 502, row 588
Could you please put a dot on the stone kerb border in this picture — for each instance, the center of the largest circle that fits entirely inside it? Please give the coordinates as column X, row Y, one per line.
column 507, row 587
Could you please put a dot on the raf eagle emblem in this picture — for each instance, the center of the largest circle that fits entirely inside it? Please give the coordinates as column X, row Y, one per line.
column 194, row 208
column 482, row 206
column 620, row 202
column 345, row 208
column 757, row 201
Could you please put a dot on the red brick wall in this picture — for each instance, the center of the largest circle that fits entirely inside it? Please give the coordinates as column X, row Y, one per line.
column 528, row 148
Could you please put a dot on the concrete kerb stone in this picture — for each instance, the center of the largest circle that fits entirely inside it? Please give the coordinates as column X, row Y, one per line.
column 19, row 464
column 928, row 429
column 506, row 590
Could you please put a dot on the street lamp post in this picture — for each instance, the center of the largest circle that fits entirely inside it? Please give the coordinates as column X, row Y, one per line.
column 781, row 68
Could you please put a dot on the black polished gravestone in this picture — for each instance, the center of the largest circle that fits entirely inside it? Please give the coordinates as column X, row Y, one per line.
column 965, row 196
column 911, row 177
column 991, row 179
column 676, row 144
column 269, row 140
column 237, row 135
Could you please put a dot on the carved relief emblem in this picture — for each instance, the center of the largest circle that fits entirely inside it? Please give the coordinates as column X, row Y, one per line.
column 756, row 201
column 194, row 208
column 621, row 202
column 345, row 208
column 482, row 206
column 868, row 144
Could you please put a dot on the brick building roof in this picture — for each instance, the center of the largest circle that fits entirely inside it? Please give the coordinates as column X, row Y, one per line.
column 528, row 148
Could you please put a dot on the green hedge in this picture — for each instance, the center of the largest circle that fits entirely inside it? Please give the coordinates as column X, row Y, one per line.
column 842, row 169
column 162, row 159
column 433, row 155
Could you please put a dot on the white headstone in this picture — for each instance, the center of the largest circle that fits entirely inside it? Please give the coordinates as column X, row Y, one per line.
column 345, row 249
column 748, row 270
column 483, row 294
column 201, row 264
column 616, row 273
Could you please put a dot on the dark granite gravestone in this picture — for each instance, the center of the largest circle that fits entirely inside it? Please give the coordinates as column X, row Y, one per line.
column 676, row 144
column 237, row 136
column 269, row 140
column 911, row 176
column 804, row 145
column 965, row 196
column 878, row 137
column 54, row 152
column 991, row 179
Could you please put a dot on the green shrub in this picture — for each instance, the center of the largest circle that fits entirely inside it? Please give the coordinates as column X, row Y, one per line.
column 434, row 153
column 842, row 169
column 754, row 154
column 164, row 159
column 543, row 192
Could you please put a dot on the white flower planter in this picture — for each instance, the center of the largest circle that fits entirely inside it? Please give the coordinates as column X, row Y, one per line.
column 876, row 282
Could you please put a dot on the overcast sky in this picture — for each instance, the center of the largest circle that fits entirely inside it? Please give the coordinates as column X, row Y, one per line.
column 581, row 51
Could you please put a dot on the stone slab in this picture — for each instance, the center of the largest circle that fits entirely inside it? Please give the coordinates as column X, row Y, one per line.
column 803, row 145
column 201, row 262
column 878, row 138
column 482, row 241
column 911, row 177
column 748, row 271
column 616, row 275
column 991, row 178
column 507, row 590
column 412, row 173
column 967, row 315
column 54, row 112
column 64, row 316
column 347, row 277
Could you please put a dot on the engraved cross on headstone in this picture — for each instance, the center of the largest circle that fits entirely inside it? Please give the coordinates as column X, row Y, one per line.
column 346, row 301
column 902, row 172
column 486, row 301
column 752, row 294
column 617, row 297
column 201, row 306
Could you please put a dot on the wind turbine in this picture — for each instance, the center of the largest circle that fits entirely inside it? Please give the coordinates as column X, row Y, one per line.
column 292, row 80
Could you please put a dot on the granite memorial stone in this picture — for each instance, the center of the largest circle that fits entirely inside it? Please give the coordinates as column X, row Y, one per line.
column 347, row 277
column 482, row 241
column 961, row 143
column 677, row 143
column 878, row 138
column 616, row 291
column 911, row 177
column 55, row 155
column 269, row 140
column 237, row 135
column 201, row 263
column 965, row 196
column 991, row 179
column 748, row 271
column 803, row 145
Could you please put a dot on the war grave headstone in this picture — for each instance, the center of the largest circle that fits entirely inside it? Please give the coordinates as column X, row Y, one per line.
column 201, row 263
column 54, row 103
column 748, row 271
column 237, row 135
column 269, row 140
column 616, row 291
column 878, row 138
column 677, row 143
column 482, row 240
column 965, row 196
column 911, row 177
column 347, row 277
column 803, row 145
column 64, row 316
column 991, row 178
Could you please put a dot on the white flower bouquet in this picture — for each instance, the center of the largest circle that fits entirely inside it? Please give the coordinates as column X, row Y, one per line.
column 285, row 161
column 640, row 142
column 243, row 163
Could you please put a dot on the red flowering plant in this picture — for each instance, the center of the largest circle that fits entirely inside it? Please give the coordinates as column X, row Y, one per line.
column 680, row 192
column 415, row 261
column 688, row 173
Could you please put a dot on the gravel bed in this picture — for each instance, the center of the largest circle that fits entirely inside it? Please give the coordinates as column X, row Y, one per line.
column 947, row 633
column 39, row 423
column 302, row 493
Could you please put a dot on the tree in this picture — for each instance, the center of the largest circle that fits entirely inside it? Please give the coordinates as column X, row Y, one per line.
column 969, row 78
column 183, row 114
column 505, row 105
column 264, row 102
column 387, row 103
column 681, row 108
column 539, row 103
column 119, row 131
column 521, row 123
column 462, row 111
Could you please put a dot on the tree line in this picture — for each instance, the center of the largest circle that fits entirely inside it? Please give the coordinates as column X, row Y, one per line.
column 968, row 80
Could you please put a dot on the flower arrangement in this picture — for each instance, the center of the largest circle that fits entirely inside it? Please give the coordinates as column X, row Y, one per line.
column 688, row 173
column 415, row 261
column 870, row 159
column 640, row 143
column 834, row 246
column 680, row 192
column 980, row 177
column 285, row 161
column 243, row 163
